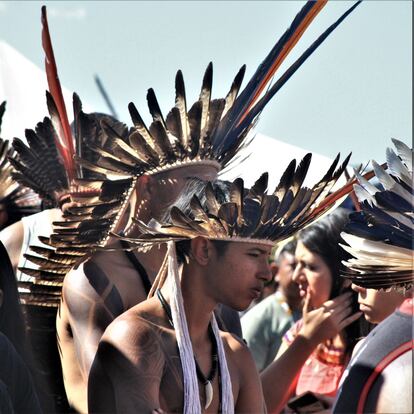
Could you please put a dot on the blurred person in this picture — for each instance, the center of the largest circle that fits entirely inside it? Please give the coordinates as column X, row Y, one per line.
column 15, row 358
column 265, row 324
column 18, row 383
column 379, row 238
column 315, row 351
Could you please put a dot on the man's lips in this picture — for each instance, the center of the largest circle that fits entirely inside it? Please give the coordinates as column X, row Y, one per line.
column 256, row 292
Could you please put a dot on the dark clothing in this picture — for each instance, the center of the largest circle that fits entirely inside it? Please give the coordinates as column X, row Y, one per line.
column 390, row 339
column 229, row 320
column 16, row 381
column 6, row 406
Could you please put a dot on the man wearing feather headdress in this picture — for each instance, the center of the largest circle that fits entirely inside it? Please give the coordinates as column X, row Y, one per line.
column 380, row 239
column 142, row 174
column 156, row 355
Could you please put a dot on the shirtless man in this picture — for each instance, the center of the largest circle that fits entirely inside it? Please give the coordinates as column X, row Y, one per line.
column 138, row 368
column 220, row 247
column 111, row 282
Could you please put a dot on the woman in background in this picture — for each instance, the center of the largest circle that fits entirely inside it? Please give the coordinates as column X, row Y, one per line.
column 315, row 351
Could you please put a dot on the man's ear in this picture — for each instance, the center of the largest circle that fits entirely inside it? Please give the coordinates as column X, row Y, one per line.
column 274, row 268
column 201, row 250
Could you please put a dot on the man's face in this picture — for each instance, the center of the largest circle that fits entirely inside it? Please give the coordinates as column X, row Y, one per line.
column 377, row 304
column 287, row 286
column 238, row 275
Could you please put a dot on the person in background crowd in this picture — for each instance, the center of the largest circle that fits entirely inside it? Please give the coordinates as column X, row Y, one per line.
column 265, row 324
column 377, row 305
column 315, row 351
column 16, row 383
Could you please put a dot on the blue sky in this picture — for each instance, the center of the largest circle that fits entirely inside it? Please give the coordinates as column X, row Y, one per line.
column 353, row 94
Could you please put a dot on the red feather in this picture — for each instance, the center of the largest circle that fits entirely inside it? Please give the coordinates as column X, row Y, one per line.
column 65, row 146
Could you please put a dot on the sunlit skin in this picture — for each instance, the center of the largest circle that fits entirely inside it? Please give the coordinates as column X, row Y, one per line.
column 238, row 276
column 377, row 305
column 137, row 367
column 312, row 274
column 108, row 284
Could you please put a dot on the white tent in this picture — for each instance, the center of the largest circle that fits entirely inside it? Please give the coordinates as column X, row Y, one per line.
column 23, row 86
column 271, row 155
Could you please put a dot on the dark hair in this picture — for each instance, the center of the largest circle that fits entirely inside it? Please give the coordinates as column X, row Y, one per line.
column 323, row 238
column 196, row 186
column 289, row 248
column 11, row 316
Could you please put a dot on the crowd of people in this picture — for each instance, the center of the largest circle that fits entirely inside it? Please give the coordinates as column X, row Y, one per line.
column 144, row 283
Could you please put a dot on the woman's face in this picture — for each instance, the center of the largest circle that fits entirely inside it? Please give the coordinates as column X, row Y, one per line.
column 313, row 274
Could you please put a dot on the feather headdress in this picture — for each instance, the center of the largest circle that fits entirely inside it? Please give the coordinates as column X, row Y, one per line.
column 212, row 131
column 253, row 214
column 46, row 164
column 380, row 236
column 16, row 199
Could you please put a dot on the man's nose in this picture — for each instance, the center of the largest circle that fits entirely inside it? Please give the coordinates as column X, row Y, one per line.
column 266, row 273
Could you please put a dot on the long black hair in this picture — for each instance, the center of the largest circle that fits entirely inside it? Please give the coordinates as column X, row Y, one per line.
column 323, row 238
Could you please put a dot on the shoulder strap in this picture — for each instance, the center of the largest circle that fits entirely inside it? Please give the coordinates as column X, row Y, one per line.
column 138, row 266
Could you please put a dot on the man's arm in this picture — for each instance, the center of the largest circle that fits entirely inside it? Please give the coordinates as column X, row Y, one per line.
column 126, row 374
column 392, row 391
column 92, row 303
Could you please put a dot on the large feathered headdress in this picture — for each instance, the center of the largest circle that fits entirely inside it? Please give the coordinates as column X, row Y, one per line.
column 46, row 164
column 211, row 131
column 380, row 236
column 16, row 199
column 253, row 214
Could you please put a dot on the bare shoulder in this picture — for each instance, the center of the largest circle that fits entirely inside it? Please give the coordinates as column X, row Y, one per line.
column 239, row 354
column 12, row 233
column 139, row 335
column 392, row 391
column 12, row 239
column 89, row 298
column 235, row 344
